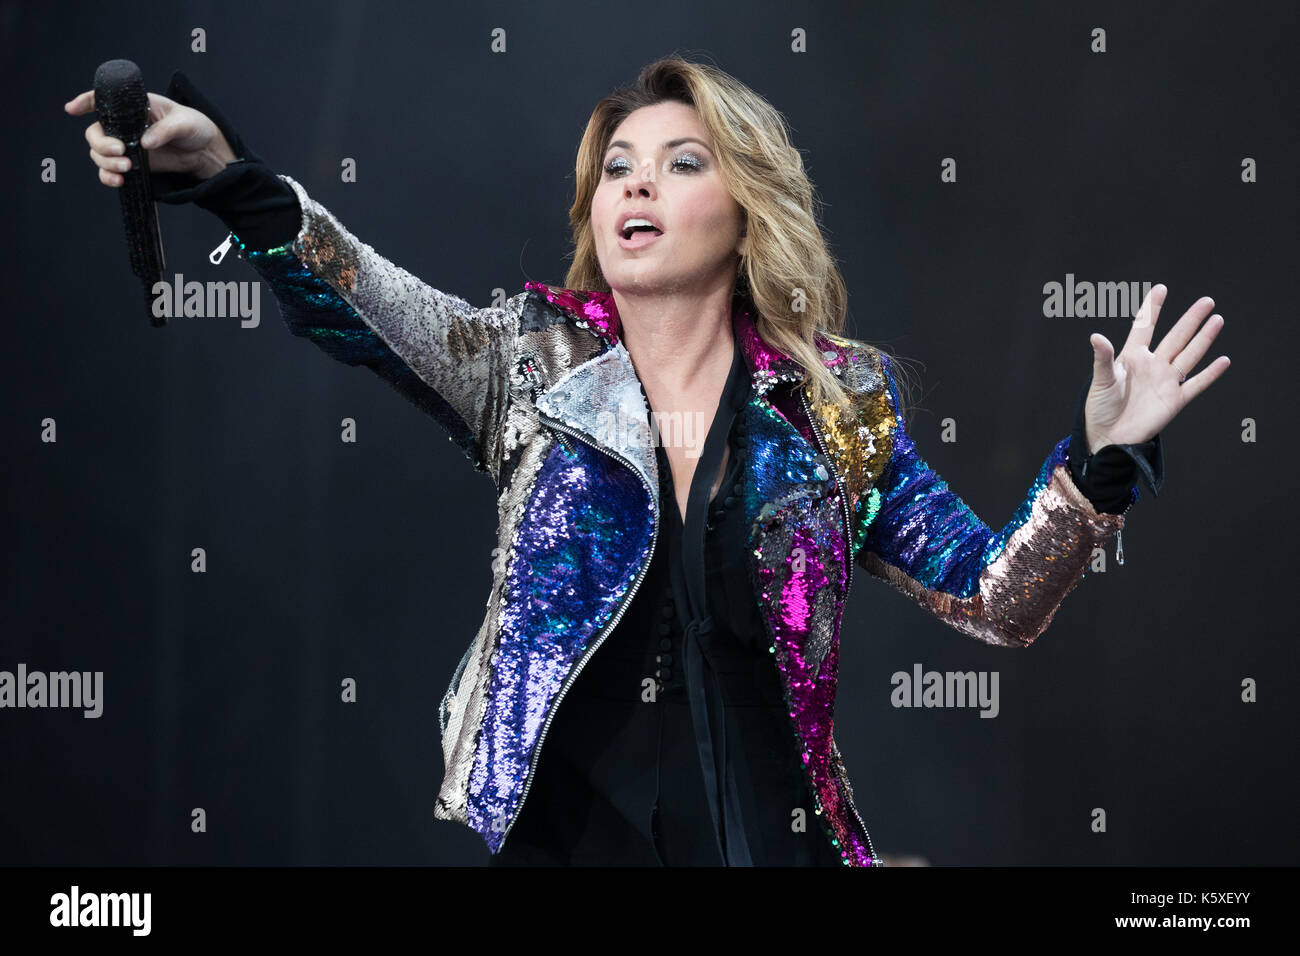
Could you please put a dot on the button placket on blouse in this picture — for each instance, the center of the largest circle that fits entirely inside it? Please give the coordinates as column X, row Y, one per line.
column 664, row 673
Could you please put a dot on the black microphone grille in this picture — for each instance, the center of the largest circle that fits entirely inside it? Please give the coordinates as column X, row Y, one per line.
column 120, row 98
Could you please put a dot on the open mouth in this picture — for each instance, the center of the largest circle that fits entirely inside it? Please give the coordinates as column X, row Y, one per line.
column 637, row 233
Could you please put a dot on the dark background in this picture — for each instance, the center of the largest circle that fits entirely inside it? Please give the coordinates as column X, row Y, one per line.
column 373, row 560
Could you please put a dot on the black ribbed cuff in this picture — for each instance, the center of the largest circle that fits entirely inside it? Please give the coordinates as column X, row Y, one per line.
column 254, row 203
column 1106, row 477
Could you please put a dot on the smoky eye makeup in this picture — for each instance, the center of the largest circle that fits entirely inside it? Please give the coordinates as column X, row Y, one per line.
column 685, row 161
column 617, row 164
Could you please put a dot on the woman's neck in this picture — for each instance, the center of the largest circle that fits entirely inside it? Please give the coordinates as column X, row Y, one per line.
column 680, row 345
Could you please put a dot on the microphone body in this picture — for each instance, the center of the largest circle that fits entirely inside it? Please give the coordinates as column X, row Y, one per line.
column 123, row 108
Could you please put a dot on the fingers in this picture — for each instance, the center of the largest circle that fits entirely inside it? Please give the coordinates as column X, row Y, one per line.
column 81, row 103
column 1144, row 321
column 1196, row 349
column 102, row 146
column 159, row 106
column 170, row 127
column 111, row 179
column 115, row 164
column 1181, row 333
column 1103, row 360
column 101, row 142
column 1205, row 378
column 106, row 151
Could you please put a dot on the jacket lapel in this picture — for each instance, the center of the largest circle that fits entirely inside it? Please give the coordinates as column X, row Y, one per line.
column 602, row 400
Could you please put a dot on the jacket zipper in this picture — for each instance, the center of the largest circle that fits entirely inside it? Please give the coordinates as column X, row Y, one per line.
column 219, row 253
column 848, row 550
column 1119, row 532
column 1119, row 536
column 600, row 638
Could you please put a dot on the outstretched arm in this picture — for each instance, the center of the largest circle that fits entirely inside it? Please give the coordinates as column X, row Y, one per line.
column 446, row 356
column 1004, row 586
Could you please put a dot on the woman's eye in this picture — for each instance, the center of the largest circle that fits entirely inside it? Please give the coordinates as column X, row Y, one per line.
column 686, row 162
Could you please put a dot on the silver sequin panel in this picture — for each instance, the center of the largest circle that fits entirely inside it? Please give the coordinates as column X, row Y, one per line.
column 463, row 352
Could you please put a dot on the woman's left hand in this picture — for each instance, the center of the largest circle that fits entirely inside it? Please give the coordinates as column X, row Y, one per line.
column 1135, row 395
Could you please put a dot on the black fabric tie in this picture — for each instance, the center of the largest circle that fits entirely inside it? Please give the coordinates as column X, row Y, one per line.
column 709, row 718
column 703, row 687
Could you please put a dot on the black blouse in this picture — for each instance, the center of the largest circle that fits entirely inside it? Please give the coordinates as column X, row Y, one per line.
column 673, row 746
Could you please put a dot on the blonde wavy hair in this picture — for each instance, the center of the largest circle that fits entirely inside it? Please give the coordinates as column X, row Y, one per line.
column 788, row 258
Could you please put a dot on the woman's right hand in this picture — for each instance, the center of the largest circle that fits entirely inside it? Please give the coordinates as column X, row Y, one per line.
column 179, row 139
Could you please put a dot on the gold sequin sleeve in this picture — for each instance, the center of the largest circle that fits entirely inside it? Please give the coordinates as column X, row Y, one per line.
column 448, row 357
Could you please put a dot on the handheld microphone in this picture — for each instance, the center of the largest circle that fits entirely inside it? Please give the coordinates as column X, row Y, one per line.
column 123, row 108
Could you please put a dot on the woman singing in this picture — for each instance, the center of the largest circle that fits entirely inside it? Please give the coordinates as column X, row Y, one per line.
column 690, row 462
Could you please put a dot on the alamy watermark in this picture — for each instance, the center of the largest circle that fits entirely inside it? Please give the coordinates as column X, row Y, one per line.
column 670, row 429
column 77, row 909
column 946, row 689
column 1093, row 300
column 208, row 300
column 81, row 689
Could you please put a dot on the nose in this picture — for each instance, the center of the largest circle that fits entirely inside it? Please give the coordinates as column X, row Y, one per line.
column 641, row 182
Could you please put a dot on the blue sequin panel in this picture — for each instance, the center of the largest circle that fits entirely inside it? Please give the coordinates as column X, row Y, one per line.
column 582, row 541
column 924, row 529
column 782, row 466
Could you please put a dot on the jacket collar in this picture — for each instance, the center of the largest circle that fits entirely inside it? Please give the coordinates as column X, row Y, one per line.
column 767, row 365
column 602, row 398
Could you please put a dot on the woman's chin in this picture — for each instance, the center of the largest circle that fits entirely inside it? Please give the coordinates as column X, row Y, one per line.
column 639, row 278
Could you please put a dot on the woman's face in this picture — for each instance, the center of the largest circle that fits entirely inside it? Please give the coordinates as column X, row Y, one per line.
column 660, row 166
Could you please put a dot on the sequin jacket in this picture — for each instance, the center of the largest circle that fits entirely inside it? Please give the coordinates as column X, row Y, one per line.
column 542, row 396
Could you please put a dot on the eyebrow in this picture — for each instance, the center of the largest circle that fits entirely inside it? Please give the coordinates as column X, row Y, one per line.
column 668, row 145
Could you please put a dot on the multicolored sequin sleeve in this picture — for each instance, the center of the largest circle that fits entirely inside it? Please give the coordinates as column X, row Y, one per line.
column 1002, row 587
column 448, row 357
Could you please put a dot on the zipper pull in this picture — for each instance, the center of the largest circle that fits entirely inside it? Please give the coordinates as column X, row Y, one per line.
column 1119, row 537
column 219, row 253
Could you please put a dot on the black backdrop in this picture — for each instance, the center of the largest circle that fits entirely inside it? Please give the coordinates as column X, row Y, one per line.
column 372, row 560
